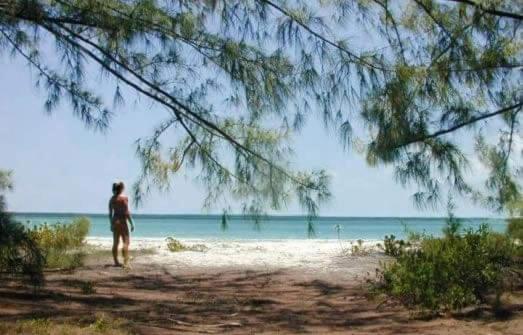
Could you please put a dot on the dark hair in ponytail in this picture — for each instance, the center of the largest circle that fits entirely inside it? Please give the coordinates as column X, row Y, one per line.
column 118, row 187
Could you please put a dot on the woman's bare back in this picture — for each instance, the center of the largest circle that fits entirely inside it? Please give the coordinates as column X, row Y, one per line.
column 120, row 207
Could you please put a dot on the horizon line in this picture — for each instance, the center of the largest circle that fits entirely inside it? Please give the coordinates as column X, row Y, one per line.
column 263, row 215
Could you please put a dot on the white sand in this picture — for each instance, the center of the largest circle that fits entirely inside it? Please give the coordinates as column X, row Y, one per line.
column 318, row 256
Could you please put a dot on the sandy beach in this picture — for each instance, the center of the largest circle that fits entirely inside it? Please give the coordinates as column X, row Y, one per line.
column 237, row 287
column 324, row 258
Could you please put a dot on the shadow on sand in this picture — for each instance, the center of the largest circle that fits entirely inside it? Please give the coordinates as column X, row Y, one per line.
column 153, row 300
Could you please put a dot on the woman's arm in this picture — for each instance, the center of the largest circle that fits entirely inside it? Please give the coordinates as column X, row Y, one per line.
column 129, row 217
column 111, row 213
column 131, row 222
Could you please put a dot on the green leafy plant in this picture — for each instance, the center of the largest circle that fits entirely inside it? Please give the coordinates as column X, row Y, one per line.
column 61, row 244
column 515, row 228
column 19, row 253
column 393, row 247
column 515, row 232
column 451, row 272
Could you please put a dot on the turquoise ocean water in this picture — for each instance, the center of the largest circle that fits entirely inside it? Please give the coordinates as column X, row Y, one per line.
column 272, row 227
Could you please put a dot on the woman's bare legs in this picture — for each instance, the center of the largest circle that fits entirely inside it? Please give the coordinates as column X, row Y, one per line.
column 125, row 249
column 116, row 242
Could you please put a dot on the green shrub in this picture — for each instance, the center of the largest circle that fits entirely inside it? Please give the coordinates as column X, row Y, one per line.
column 19, row 252
column 451, row 272
column 61, row 243
column 515, row 228
column 515, row 232
column 452, row 228
column 393, row 247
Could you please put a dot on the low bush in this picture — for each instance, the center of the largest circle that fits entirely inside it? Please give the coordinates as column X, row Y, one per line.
column 451, row 272
column 515, row 232
column 393, row 247
column 25, row 252
column 515, row 228
column 20, row 255
column 61, row 244
column 175, row 245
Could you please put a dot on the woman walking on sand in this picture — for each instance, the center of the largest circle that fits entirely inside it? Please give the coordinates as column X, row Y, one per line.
column 118, row 216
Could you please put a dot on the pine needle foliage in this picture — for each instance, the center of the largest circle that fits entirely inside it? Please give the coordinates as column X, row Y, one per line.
column 237, row 79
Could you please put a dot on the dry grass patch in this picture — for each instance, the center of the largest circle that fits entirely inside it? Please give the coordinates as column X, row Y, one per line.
column 101, row 325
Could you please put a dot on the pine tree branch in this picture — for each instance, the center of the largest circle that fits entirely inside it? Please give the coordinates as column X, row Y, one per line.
column 510, row 142
column 457, row 126
column 389, row 16
column 100, row 123
column 355, row 58
column 198, row 46
column 179, row 108
column 421, row 4
column 487, row 67
column 211, row 157
column 491, row 10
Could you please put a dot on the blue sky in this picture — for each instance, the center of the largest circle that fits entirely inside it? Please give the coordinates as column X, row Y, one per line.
column 60, row 166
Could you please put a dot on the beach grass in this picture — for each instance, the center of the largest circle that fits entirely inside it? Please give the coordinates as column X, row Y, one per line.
column 102, row 324
column 174, row 245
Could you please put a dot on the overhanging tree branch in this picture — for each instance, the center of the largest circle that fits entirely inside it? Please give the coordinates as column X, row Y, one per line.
column 490, row 10
column 154, row 47
column 427, row 10
column 389, row 16
column 100, row 123
column 179, row 108
column 317, row 35
column 457, row 126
